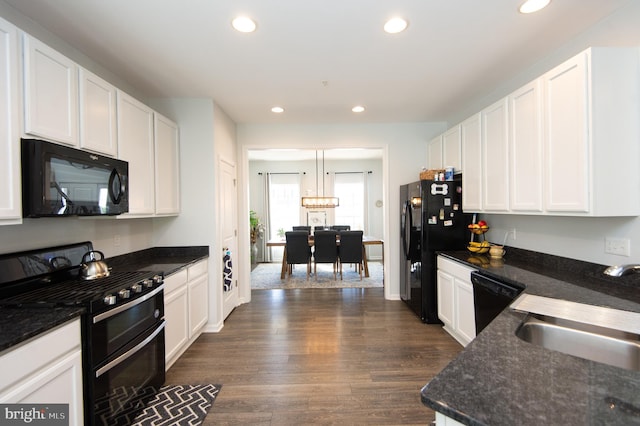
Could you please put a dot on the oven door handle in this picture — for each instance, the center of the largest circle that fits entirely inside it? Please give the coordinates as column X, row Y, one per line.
column 130, row 352
column 114, row 311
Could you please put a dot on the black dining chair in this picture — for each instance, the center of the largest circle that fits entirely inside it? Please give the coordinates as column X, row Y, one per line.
column 320, row 228
column 340, row 227
column 302, row 228
column 325, row 250
column 351, row 250
column 298, row 250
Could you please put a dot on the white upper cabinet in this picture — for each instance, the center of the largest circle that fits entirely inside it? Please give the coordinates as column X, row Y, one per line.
column 135, row 145
column 10, row 192
column 50, row 93
column 471, row 142
column 525, row 143
column 167, row 166
column 98, row 126
column 553, row 146
column 434, row 153
column 495, row 157
column 592, row 129
column 451, row 149
column 566, row 138
column 445, row 150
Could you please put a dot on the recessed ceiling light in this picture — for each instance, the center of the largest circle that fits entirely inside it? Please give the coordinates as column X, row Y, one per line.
column 244, row 24
column 395, row 25
column 277, row 109
column 357, row 108
column 531, row 6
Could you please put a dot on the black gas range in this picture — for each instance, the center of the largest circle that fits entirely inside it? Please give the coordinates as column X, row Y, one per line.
column 122, row 330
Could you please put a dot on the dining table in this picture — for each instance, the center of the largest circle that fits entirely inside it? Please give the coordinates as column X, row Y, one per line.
column 366, row 240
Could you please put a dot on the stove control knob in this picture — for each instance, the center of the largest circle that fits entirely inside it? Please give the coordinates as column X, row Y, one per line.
column 110, row 299
column 158, row 279
column 125, row 293
column 136, row 288
column 148, row 283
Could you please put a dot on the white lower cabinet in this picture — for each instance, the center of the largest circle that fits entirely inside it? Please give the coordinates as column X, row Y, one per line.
column 455, row 300
column 442, row 420
column 46, row 370
column 186, row 309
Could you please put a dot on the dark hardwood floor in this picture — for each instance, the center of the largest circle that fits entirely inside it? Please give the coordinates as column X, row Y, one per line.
column 318, row 356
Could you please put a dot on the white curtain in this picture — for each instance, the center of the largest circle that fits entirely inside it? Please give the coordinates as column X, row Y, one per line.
column 283, row 194
column 351, row 189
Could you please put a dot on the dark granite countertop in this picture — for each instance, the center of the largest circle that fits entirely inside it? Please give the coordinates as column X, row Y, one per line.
column 20, row 324
column 499, row 379
column 159, row 259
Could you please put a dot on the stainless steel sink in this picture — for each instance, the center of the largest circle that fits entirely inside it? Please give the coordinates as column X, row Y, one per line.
column 592, row 342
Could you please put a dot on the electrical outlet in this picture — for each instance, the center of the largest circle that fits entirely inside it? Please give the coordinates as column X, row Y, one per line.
column 618, row 246
column 513, row 234
column 116, row 240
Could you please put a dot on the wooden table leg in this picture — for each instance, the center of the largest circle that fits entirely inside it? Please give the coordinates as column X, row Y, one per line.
column 364, row 261
column 284, row 263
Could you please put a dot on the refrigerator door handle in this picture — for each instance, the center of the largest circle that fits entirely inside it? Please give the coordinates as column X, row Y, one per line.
column 406, row 232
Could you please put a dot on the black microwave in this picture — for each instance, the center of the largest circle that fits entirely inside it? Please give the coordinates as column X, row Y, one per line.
column 63, row 181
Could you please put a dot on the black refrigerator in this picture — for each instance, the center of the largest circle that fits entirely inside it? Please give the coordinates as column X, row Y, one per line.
column 431, row 220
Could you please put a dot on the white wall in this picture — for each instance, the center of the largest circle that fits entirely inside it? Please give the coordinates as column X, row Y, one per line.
column 578, row 238
column 132, row 234
column 206, row 133
column 404, row 150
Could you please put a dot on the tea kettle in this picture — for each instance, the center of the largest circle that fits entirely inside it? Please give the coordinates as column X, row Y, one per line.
column 92, row 268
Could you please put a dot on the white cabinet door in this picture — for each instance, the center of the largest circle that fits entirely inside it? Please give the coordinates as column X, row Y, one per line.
column 50, row 93
column 10, row 186
column 446, row 299
column 525, row 125
column 455, row 300
column 167, row 166
column 495, row 157
column 176, row 308
column 465, row 312
column 434, row 153
column 471, row 142
column 45, row 370
column 451, row 149
column 97, row 114
column 442, row 420
column 136, row 145
column 566, row 136
column 198, row 304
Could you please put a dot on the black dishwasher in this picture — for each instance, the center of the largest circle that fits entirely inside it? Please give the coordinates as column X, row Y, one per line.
column 490, row 297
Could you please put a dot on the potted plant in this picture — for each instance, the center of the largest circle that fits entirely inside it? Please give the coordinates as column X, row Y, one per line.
column 256, row 231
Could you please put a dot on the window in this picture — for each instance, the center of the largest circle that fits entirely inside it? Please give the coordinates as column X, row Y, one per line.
column 284, row 202
column 350, row 189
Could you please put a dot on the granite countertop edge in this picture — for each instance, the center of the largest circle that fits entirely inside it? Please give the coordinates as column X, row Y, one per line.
column 497, row 377
column 21, row 324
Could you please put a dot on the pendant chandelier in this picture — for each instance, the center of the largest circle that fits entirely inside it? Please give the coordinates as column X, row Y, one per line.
column 320, row 202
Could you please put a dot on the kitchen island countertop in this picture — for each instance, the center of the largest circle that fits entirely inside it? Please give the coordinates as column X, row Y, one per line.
column 499, row 379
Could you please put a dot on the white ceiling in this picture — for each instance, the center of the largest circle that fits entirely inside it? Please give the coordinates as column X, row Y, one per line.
column 452, row 52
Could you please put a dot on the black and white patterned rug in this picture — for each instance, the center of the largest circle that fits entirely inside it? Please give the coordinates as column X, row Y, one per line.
column 179, row 405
